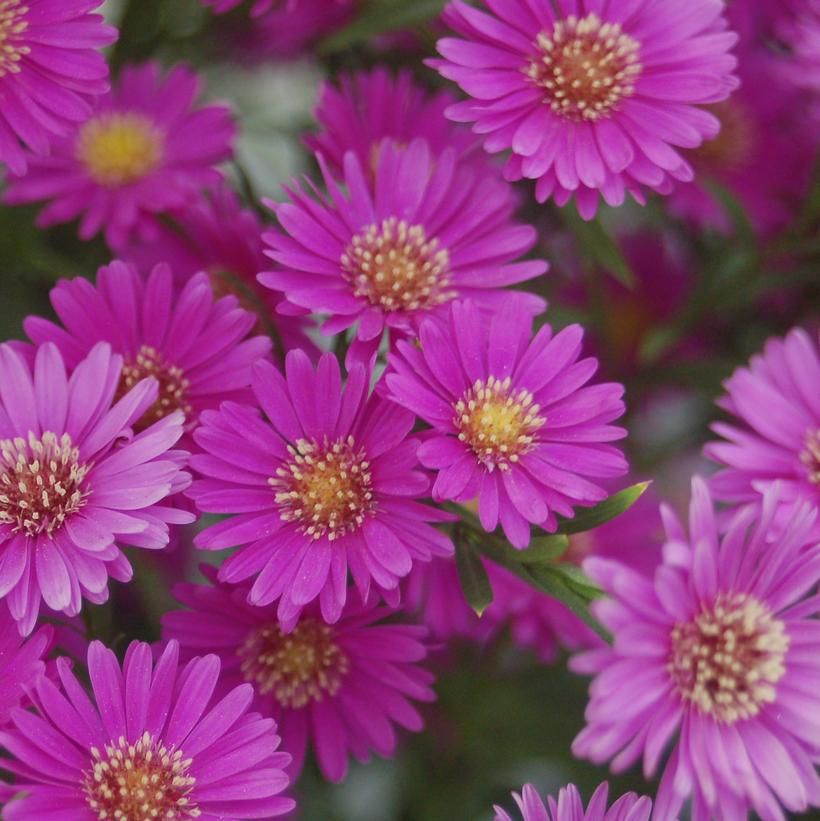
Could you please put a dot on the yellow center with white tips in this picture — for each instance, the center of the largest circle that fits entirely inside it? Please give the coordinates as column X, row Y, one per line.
column 13, row 24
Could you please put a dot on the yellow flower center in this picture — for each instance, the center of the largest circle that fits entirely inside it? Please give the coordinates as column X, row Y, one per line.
column 118, row 149
column 13, row 23
column 810, row 457
column 727, row 661
column 585, row 67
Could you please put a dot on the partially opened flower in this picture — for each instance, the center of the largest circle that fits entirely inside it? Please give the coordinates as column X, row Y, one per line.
column 146, row 150
column 328, row 482
column 152, row 742
column 514, row 422
column 51, row 71
column 717, row 657
column 592, row 97
column 76, row 482
column 196, row 346
column 338, row 689
column 570, row 806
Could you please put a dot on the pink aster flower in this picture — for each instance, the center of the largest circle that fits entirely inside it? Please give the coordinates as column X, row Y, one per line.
column 570, row 806
column 776, row 402
column 514, row 421
column 50, row 72
column 326, row 484
column 145, row 151
column 592, row 97
column 341, row 689
column 433, row 229
column 196, row 346
column 76, row 482
column 91, row 758
column 720, row 652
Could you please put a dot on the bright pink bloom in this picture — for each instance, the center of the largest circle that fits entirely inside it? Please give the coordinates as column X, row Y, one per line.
column 570, row 806
column 146, row 150
column 50, row 72
column 592, row 97
column 514, row 421
column 340, row 689
column 205, row 759
column 717, row 656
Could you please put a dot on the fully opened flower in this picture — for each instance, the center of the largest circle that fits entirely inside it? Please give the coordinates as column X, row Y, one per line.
column 75, row 483
column 195, row 346
column 716, row 656
column 432, row 230
column 327, row 483
column 146, row 150
column 570, row 806
column 340, row 689
column 514, row 421
column 592, row 97
column 50, row 72
column 152, row 742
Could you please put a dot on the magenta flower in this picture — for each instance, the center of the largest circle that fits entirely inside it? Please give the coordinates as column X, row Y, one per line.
column 720, row 652
column 340, row 688
column 570, row 807
column 158, row 724
column 194, row 345
column 514, row 421
column 592, row 97
column 326, row 484
column 432, row 230
column 76, row 483
column 776, row 401
column 145, row 151
column 50, row 72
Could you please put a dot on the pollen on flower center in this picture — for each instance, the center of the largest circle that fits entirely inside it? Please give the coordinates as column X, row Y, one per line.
column 41, row 482
column 117, row 149
column 298, row 667
column 13, row 23
column 810, row 457
column 397, row 268
column 173, row 386
column 497, row 422
column 729, row 658
column 585, row 67
column 144, row 781
column 326, row 488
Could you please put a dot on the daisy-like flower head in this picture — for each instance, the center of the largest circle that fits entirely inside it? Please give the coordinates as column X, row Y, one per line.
column 776, row 401
column 145, row 151
column 75, row 482
column 326, row 483
column 152, row 742
column 570, row 806
column 514, row 421
column 717, row 654
column 340, row 689
column 592, row 97
column 194, row 345
column 433, row 229
column 50, row 72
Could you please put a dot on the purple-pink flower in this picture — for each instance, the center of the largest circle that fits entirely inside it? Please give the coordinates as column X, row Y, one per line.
column 339, row 689
column 146, row 150
column 146, row 723
column 514, row 421
column 76, row 483
column 591, row 97
column 328, row 483
column 50, row 72
column 718, row 657
column 570, row 806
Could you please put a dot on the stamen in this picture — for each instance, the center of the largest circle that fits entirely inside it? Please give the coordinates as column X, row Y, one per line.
column 13, row 24
column 810, row 457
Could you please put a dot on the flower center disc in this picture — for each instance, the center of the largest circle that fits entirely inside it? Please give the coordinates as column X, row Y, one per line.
column 297, row 667
column 144, row 781
column 118, row 149
column 41, row 482
column 810, row 457
column 728, row 659
column 13, row 23
column 396, row 268
column 585, row 66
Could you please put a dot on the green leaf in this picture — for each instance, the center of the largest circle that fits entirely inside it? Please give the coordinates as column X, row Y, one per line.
column 542, row 549
column 599, row 246
column 473, row 577
column 590, row 518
